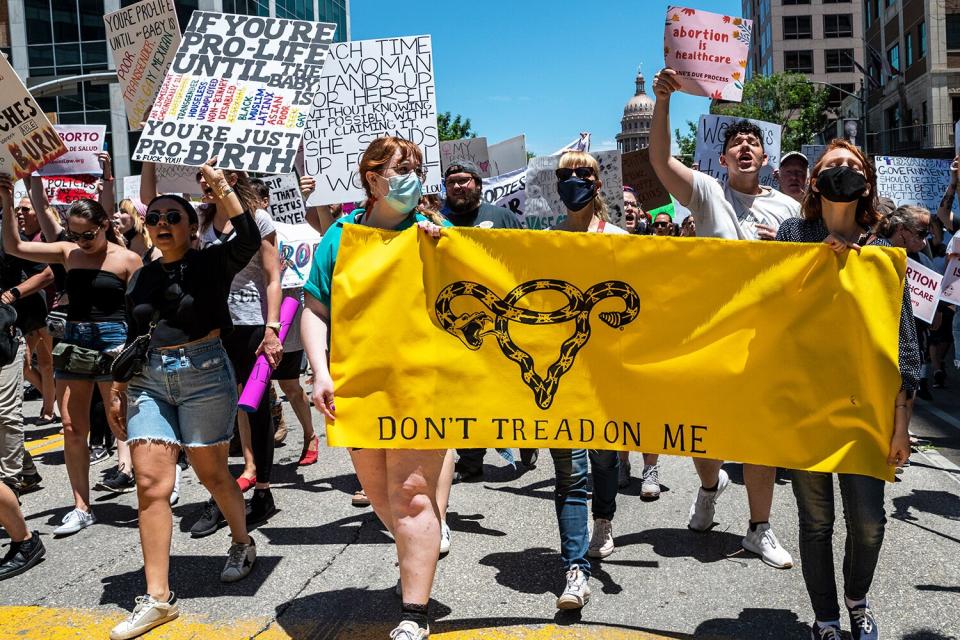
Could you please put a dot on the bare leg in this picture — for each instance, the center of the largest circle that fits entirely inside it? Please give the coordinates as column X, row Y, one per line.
column 155, row 477
column 11, row 518
column 249, row 466
column 124, row 460
column 444, row 483
column 74, row 397
column 759, row 481
column 210, row 465
column 371, row 468
column 708, row 470
column 40, row 343
column 301, row 407
column 651, row 458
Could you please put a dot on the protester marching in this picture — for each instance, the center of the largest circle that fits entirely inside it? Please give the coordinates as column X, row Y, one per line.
column 298, row 214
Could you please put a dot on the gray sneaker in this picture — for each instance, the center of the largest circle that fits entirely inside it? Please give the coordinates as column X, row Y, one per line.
column 240, row 561
column 75, row 521
column 601, row 544
column 650, row 490
column 409, row 630
column 577, row 592
column 148, row 614
column 704, row 507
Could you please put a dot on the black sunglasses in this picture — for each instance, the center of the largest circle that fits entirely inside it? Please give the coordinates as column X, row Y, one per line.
column 153, row 218
column 661, row 225
column 581, row 172
column 71, row 236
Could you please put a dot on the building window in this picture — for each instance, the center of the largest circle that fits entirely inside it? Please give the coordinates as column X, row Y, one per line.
column 953, row 31
column 922, row 38
column 909, row 42
column 890, row 3
column 789, row 2
column 798, row 61
column 838, row 60
column 835, row 1
column 838, row 25
column 868, row 15
column 797, row 27
column 893, row 57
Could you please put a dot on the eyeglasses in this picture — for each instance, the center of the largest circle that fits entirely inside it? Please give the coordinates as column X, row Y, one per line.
column 581, row 172
column 461, row 182
column 406, row 169
column 87, row 236
column 23, row 209
column 630, row 205
column 153, row 218
column 922, row 232
column 661, row 225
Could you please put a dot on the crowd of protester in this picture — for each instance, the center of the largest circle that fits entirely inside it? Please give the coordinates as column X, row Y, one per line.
column 138, row 323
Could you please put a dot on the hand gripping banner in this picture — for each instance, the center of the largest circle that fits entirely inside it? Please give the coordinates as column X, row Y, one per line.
column 770, row 353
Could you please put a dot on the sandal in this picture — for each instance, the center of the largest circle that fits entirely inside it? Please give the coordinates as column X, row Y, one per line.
column 41, row 421
column 310, row 451
column 360, row 499
column 246, row 484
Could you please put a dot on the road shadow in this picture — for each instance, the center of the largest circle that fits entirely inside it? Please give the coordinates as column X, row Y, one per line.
column 756, row 624
column 470, row 523
column 926, row 634
column 111, row 514
column 705, row 547
column 937, row 587
column 940, row 503
column 542, row 489
column 537, row 570
column 362, row 528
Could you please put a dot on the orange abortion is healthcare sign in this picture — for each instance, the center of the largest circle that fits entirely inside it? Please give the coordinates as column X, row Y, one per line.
column 27, row 139
column 708, row 51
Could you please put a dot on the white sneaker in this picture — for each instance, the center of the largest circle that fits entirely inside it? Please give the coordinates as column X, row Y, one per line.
column 624, row 475
column 650, row 489
column 577, row 592
column 148, row 613
column 705, row 506
column 75, row 521
column 175, row 496
column 764, row 543
column 409, row 630
column 240, row 559
column 444, row 538
column 601, row 544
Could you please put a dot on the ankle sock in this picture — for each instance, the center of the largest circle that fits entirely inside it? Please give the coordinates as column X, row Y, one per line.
column 415, row 613
column 712, row 489
column 754, row 525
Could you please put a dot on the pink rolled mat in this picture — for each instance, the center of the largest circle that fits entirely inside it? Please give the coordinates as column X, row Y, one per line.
column 259, row 378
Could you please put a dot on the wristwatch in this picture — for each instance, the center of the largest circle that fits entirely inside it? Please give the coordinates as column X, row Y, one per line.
column 274, row 325
column 15, row 292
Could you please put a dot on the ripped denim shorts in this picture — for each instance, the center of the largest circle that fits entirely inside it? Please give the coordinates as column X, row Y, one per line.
column 185, row 396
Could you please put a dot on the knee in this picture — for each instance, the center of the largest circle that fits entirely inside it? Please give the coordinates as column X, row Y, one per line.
column 867, row 528
column 72, row 432
column 411, row 498
column 151, row 490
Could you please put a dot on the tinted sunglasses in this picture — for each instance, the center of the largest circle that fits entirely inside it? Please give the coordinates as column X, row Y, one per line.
column 153, row 218
column 71, row 236
column 661, row 225
column 581, row 172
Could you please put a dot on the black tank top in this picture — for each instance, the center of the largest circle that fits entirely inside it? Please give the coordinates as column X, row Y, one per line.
column 95, row 296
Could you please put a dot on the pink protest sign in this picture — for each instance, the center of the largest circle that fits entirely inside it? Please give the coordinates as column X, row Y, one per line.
column 708, row 51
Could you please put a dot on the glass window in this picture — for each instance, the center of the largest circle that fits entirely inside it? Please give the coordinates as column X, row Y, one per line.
column 838, row 60
column 185, row 9
column 91, row 21
column 797, row 27
column 893, row 57
column 71, row 117
column 909, row 43
column 96, row 96
column 65, row 27
column 789, row 2
column 798, row 61
column 953, row 31
column 94, row 56
column 834, row 1
column 67, row 55
column 890, row 3
column 40, row 56
column 38, row 21
column 839, row 25
column 922, row 37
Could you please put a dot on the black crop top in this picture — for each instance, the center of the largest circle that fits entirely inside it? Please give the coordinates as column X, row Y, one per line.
column 95, row 296
column 190, row 296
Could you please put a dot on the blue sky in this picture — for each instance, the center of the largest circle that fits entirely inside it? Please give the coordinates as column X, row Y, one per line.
column 546, row 69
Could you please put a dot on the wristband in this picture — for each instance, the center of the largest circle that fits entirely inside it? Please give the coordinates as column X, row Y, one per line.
column 15, row 292
column 273, row 325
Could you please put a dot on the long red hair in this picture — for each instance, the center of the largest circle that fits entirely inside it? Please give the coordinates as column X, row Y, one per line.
column 867, row 213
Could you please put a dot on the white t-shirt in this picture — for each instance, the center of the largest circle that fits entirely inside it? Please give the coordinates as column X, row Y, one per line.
column 722, row 212
column 248, row 291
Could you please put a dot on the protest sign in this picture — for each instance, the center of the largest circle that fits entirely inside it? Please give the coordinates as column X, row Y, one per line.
column 296, row 244
column 20, row 191
column 710, row 131
column 370, row 89
column 144, row 38
column 508, row 155
column 813, row 152
column 493, row 310
column 917, row 181
column 27, row 139
column 580, row 144
column 950, row 286
column 639, row 175
column 924, row 290
column 708, row 51
column 84, row 142
column 69, row 189
column 956, row 139
column 545, row 210
column 508, row 191
column 286, row 204
column 471, row 149
column 175, row 178
column 240, row 89
column 131, row 188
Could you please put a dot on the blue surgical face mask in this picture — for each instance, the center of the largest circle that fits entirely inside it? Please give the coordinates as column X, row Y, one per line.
column 405, row 192
column 576, row 193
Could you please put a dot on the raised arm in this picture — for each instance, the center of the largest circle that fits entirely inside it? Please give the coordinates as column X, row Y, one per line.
column 31, row 285
column 12, row 242
column 945, row 210
column 47, row 216
column 320, row 218
column 675, row 176
column 108, row 197
column 148, row 182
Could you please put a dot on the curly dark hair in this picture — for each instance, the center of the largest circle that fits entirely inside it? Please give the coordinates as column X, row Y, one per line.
column 742, row 126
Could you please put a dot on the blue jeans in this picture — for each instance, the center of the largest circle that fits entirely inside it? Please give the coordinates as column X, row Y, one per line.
column 956, row 338
column 862, row 499
column 605, row 466
column 105, row 337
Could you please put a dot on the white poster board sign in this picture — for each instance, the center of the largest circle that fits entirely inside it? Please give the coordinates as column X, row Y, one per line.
column 84, row 142
column 710, row 132
column 917, row 181
column 175, row 178
column 240, row 89
column 924, row 290
column 286, row 203
column 508, row 156
column 131, row 188
column 470, row 149
column 144, row 38
column 296, row 244
column 27, row 139
column 69, row 189
column 370, row 89
column 508, row 191
column 950, row 291
column 545, row 210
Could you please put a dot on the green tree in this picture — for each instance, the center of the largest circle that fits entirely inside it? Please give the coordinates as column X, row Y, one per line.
column 787, row 99
column 687, row 143
column 454, row 127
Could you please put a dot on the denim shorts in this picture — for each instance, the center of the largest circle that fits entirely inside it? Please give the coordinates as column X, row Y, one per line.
column 105, row 337
column 185, row 396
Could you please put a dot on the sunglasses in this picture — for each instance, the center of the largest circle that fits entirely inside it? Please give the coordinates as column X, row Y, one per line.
column 23, row 209
column 153, row 218
column 581, row 172
column 661, row 225
column 88, row 236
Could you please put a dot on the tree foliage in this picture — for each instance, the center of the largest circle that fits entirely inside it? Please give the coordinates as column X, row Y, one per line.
column 787, row 99
column 454, row 127
column 687, row 143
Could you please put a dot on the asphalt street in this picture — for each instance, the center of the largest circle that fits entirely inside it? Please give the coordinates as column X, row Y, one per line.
column 326, row 569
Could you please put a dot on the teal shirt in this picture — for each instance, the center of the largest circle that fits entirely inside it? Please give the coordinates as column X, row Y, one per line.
column 320, row 282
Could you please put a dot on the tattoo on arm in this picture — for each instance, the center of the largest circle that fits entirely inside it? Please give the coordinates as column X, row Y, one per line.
column 947, row 200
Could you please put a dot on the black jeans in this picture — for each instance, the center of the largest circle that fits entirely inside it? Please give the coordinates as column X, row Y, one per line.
column 862, row 499
column 241, row 345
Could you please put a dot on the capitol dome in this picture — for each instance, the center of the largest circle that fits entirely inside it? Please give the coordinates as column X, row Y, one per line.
column 637, row 114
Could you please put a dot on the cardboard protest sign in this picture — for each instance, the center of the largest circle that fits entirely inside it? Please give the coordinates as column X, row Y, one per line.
column 84, row 142
column 639, row 174
column 545, row 210
column 27, row 139
column 950, row 286
column 69, row 189
column 924, row 290
column 507, row 190
column 508, row 155
column 296, row 244
column 143, row 38
column 471, row 149
column 286, row 204
column 131, row 188
column 708, row 51
column 240, row 89
column 918, row 181
column 173, row 178
column 813, row 152
column 710, row 131
column 370, row 89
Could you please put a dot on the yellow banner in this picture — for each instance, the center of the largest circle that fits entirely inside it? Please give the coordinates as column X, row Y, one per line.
column 770, row 353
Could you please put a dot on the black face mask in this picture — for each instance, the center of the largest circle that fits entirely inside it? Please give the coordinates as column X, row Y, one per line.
column 841, row 184
column 576, row 193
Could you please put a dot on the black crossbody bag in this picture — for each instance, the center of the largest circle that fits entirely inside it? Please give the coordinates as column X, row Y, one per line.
column 130, row 361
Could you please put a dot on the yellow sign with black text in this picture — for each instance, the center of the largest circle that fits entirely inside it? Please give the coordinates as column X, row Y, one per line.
column 769, row 353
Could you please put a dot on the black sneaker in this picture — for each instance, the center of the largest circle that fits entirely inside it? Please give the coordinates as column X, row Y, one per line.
column 260, row 507
column 923, row 392
column 467, row 475
column 529, row 457
column 118, row 483
column 98, row 454
column 210, row 520
column 29, row 482
column 21, row 556
column 939, row 378
column 826, row 632
column 863, row 626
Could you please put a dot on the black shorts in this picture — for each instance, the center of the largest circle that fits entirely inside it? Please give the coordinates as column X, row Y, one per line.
column 944, row 333
column 290, row 367
column 31, row 313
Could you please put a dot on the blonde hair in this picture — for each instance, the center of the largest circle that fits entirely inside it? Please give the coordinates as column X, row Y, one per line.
column 126, row 205
column 575, row 159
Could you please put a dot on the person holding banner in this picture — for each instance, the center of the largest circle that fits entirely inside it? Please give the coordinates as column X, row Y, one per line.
column 744, row 210
column 400, row 483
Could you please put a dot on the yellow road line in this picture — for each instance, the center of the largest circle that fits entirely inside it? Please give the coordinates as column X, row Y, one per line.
column 49, row 443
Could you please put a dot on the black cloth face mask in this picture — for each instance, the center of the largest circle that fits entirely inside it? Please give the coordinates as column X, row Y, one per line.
column 841, row 184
